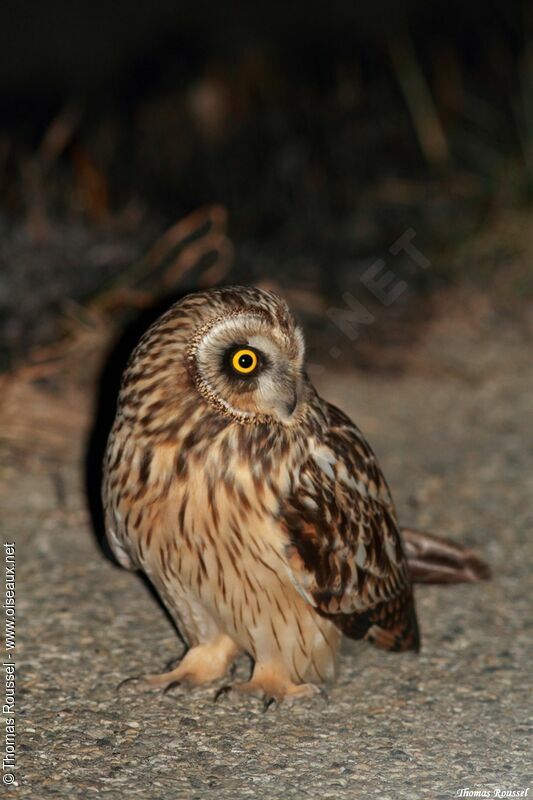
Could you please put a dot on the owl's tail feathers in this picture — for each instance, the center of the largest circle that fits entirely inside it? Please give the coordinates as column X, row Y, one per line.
column 433, row 559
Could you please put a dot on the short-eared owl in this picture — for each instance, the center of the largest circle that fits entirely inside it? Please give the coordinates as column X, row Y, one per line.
column 257, row 509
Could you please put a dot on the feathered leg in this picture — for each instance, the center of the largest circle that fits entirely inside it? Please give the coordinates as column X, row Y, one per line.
column 202, row 664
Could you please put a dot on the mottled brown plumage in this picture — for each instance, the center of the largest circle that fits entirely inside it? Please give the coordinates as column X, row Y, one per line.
column 257, row 509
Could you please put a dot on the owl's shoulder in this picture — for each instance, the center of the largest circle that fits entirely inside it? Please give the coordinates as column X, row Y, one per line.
column 340, row 522
column 339, row 450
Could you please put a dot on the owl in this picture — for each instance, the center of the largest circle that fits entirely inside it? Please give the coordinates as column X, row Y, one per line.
column 257, row 509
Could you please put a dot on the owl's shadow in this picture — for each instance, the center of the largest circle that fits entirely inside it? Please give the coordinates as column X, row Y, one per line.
column 106, row 402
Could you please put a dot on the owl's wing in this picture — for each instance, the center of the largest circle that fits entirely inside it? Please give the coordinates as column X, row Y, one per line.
column 345, row 552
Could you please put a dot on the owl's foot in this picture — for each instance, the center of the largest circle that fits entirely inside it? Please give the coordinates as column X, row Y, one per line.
column 202, row 664
column 272, row 686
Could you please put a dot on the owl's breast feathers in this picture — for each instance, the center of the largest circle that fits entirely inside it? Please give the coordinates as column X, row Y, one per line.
column 319, row 484
column 345, row 550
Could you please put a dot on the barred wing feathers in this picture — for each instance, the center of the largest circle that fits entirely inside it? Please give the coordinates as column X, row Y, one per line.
column 345, row 551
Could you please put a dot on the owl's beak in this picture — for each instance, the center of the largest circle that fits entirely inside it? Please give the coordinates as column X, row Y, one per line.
column 281, row 395
column 291, row 404
column 287, row 401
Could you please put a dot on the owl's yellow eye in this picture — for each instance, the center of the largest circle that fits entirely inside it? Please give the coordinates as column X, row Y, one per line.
column 244, row 361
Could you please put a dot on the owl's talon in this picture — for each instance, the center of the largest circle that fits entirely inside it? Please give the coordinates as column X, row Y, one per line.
column 145, row 683
column 268, row 702
column 171, row 685
column 126, row 681
column 222, row 692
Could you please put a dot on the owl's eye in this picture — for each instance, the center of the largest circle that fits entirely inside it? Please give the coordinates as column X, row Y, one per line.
column 244, row 361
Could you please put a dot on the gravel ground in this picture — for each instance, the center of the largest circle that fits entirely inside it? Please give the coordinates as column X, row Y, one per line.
column 455, row 439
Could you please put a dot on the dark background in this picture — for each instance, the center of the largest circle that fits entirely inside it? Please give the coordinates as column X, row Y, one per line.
column 325, row 131
column 316, row 134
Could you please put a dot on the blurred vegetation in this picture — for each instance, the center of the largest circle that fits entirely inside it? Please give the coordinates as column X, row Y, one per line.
column 324, row 132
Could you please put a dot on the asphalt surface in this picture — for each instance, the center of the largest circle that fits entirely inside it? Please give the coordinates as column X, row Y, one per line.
column 455, row 438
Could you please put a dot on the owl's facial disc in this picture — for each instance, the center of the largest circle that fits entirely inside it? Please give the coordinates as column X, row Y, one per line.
column 250, row 369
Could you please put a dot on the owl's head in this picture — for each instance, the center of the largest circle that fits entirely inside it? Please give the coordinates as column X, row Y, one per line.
column 247, row 360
